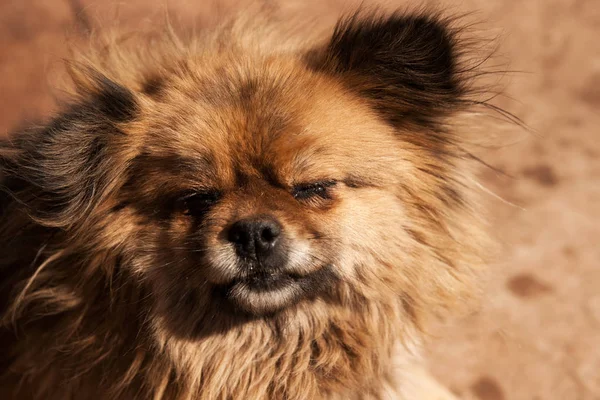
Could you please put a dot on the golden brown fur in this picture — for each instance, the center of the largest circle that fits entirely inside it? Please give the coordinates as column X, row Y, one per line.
column 109, row 285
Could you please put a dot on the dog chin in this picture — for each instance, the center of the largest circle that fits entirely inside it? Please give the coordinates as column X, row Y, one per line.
column 264, row 296
column 267, row 294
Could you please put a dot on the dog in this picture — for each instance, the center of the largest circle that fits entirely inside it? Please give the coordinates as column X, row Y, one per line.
column 245, row 214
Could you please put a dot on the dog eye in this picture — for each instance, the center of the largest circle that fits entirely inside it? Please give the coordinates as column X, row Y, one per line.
column 310, row 190
column 198, row 203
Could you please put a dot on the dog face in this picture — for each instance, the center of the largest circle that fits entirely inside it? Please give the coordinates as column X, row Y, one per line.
column 241, row 183
column 268, row 195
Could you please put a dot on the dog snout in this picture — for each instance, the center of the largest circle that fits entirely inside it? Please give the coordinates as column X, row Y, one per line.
column 257, row 238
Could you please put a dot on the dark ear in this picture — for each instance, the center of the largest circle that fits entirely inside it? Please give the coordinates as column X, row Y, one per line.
column 405, row 65
column 60, row 170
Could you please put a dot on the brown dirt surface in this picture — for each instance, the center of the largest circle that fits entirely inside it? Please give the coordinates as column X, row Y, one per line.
column 537, row 334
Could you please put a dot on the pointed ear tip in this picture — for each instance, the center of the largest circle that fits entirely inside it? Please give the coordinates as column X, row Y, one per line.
column 411, row 37
column 82, row 75
column 86, row 74
column 383, row 17
column 112, row 99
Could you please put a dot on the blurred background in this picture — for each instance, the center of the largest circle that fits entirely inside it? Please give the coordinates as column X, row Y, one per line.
column 537, row 334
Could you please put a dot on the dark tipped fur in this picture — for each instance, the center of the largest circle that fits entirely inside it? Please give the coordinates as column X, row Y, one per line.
column 114, row 101
column 153, row 86
column 62, row 167
column 407, row 65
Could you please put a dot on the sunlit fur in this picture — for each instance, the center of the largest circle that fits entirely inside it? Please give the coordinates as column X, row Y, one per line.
column 106, row 286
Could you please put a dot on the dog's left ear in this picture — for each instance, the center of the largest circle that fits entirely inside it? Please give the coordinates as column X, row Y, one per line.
column 406, row 66
column 61, row 170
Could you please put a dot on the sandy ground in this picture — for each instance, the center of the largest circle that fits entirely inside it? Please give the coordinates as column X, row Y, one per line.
column 537, row 335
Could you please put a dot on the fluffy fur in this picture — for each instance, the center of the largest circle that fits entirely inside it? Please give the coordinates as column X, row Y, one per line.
column 112, row 288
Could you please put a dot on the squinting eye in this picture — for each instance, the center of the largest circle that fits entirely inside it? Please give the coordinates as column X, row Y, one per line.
column 316, row 189
column 198, row 203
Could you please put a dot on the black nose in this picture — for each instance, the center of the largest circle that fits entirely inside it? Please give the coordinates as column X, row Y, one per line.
column 255, row 238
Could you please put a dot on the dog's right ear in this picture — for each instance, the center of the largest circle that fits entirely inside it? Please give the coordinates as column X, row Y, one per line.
column 57, row 171
column 405, row 65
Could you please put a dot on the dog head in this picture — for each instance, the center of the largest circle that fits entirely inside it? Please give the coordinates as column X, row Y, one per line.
column 244, row 182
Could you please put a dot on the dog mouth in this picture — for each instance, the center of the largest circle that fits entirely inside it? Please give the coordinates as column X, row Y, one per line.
column 265, row 282
column 265, row 293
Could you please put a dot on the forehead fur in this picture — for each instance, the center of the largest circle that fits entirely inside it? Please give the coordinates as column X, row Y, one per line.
column 270, row 117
